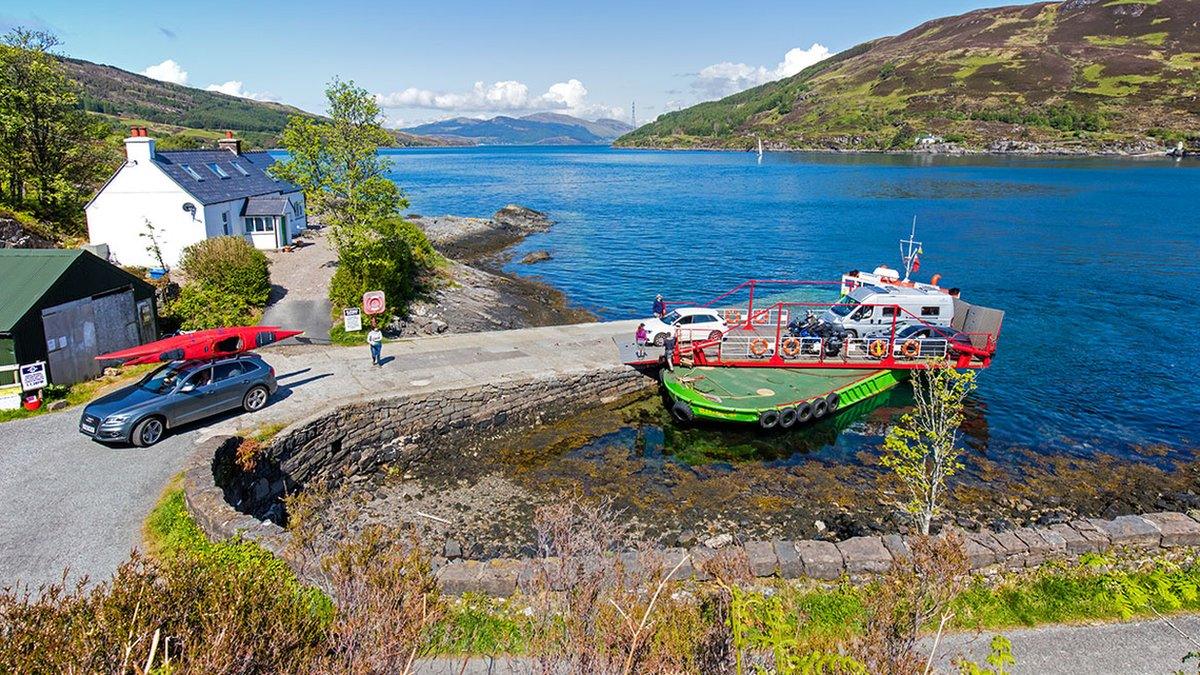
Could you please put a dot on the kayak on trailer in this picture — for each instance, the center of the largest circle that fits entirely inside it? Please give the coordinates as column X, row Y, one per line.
column 201, row 344
column 771, row 397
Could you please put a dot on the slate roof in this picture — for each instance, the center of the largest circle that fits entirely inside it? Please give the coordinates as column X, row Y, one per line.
column 274, row 204
column 27, row 274
column 211, row 188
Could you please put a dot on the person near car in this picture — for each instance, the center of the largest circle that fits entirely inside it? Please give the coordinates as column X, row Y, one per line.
column 669, row 351
column 375, row 341
column 660, row 307
column 641, row 337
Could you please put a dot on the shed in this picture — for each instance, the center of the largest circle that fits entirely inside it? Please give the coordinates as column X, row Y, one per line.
column 67, row 306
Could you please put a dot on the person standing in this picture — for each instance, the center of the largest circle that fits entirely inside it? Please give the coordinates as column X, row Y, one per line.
column 375, row 342
column 641, row 337
column 660, row 307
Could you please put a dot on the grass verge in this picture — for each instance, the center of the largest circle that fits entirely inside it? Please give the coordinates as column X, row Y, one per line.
column 81, row 392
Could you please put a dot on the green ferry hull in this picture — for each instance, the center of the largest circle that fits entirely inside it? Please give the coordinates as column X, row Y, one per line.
column 743, row 394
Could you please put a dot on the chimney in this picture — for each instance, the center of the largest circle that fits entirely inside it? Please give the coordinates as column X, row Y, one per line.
column 139, row 147
column 230, row 143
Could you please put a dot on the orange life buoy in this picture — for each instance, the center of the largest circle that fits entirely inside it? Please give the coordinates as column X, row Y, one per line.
column 911, row 349
column 759, row 346
column 790, row 346
column 934, row 281
column 878, row 348
column 732, row 317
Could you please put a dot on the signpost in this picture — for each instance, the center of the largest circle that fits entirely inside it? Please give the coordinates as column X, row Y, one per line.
column 351, row 319
column 373, row 302
column 33, row 376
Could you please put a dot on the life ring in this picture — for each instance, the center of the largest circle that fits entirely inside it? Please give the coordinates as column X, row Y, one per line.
column 878, row 348
column 832, row 402
column 790, row 347
column 759, row 346
column 819, row 408
column 804, row 412
column 787, row 417
column 732, row 317
column 683, row 412
column 768, row 419
column 911, row 349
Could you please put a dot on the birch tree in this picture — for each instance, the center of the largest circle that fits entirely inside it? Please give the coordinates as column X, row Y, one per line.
column 922, row 448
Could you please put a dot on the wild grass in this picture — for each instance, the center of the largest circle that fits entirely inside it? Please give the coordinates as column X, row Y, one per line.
column 81, row 392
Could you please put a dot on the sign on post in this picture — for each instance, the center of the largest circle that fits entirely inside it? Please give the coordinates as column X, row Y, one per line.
column 373, row 302
column 33, row 376
column 351, row 319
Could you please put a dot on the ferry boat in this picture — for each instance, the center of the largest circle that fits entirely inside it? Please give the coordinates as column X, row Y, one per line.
column 779, row 363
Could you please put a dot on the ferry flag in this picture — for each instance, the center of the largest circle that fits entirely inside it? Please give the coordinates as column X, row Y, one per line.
column 916, row 266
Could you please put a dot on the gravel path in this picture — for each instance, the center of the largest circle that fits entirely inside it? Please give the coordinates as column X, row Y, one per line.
column 300, row 288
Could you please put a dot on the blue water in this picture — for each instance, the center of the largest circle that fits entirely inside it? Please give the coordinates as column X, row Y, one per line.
column 1096, row 262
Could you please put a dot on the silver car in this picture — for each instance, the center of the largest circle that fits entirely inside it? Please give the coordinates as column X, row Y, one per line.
column 176, row 394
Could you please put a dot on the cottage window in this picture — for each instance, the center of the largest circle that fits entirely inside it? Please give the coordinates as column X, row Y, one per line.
column 240, row 169
column 216, row 169
column 260, row 224
column 190, row 171
column 225, row 222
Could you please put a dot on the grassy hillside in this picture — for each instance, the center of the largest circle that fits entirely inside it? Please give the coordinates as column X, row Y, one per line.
column 185, row 116
column 1119, row 75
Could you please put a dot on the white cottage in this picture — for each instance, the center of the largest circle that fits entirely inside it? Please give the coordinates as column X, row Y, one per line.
column 188, row 196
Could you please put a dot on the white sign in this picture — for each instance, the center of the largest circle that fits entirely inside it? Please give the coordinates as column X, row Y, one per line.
column 352, row 320
column 33, row 376
column 373, row 302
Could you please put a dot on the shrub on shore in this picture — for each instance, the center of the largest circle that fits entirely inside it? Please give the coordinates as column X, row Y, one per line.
column 228, row 283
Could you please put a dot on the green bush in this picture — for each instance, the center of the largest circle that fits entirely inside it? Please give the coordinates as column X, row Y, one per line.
column 391, row 255
column 202, row 306
column 231, row 265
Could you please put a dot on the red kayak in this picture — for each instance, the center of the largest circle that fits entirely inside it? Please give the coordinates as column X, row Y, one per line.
column 202, row 344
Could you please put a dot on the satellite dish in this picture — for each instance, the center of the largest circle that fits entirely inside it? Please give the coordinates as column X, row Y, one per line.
column 189, row 207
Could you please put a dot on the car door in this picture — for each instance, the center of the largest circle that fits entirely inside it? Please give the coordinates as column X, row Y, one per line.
column 683, row 328
column 192, row 397
column 703, row 325
column 229, row 384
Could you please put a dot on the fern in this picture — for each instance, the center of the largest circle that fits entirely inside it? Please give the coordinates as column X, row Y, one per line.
column 999, row 658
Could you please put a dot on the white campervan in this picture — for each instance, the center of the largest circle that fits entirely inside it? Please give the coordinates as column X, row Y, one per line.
column 869, row 308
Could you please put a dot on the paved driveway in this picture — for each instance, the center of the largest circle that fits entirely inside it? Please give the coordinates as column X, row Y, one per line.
column 300, row 288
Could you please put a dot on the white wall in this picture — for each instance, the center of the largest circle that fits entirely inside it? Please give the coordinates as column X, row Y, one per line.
column 140, row 192
column 215, row 227
column 297, row 225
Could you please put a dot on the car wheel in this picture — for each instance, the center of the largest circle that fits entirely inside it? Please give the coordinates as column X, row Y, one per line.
column 715, row 335
column 851, row 333
column 256, row 398
column 660, row 339
column 148, row 432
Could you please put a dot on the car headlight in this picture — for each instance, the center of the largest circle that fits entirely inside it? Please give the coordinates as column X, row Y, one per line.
column 116, row 419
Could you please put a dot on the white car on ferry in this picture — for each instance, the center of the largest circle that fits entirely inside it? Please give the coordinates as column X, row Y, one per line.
column 687, row 324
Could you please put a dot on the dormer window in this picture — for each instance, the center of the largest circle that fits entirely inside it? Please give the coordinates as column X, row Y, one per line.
column 190, row 171
column 240, row 169
column 217, row 170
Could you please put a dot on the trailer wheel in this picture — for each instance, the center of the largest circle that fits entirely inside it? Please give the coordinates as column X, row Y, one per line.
column 787, row 418
column 683, row 412
column 820, row 407
column 768, row 419
column 832, row 402
column 804, row 412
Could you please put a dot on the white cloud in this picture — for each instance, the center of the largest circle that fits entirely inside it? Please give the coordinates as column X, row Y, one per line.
column 506, row 96
column 723, row 79
column 167, row 71
column 234, row 88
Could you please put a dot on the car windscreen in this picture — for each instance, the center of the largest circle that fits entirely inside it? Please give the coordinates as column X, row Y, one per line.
column 671, row 318
column 163, row 380
column 844, row 306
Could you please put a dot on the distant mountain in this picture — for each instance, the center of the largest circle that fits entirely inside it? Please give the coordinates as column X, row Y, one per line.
column 1081, row 75
column 537, row 129
column 124, row 97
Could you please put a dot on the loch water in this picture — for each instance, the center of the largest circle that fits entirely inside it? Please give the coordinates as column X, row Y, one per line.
column 1096, row 262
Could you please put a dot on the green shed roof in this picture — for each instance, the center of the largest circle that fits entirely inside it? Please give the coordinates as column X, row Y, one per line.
column 25, row 275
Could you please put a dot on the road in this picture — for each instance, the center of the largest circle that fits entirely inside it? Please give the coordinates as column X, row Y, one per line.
column 70, row 503
column 299, row 288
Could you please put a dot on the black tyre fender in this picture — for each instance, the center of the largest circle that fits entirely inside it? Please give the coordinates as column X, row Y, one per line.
column 683, row 412
column 804, row 412
column 135, row 436
column 768, row 419
column 819, row 408
column 787, row 418
column 832, row 402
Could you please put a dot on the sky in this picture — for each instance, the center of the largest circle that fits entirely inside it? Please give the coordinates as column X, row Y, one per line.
column 434, row 60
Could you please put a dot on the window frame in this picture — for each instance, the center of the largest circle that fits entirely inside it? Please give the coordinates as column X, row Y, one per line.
column 192, row 172
column 217, row 170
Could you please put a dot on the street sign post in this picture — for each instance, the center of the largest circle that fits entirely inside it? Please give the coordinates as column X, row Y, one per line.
column 33, row 376
column 351, row 319
column 373, row 302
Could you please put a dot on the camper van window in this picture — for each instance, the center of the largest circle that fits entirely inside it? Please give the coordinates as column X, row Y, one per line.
column 930, row 311
column 889, row 311
column 844, row 306
column 863, row 313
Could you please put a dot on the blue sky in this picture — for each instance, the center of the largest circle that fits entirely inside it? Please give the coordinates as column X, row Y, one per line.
column 434, row 60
